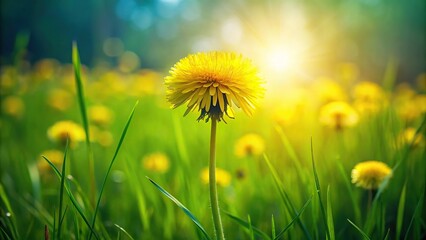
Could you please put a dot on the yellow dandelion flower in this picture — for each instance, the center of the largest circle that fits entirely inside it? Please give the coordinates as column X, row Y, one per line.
column 145, row 82
column 13, row 106
column 411, row 109
column 59, row 99
column 45, row 69
column 409, row 136
column 338, row 115
column 370, row 174
column 60, row 131
column 328, row 91
column 369, row 97
column 211, row 82
column 223, row 178
column 249, row 145
column 156, row 162
column 100, row 115
column 55, row 156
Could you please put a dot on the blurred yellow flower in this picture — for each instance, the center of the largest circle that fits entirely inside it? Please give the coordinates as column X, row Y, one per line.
column 100, row 115
column 369, row 97
column 13, row 106
column 59, row 99
column 370, row 174
column 156, row 162
column 103, row 137
column 338, row 115
column 211, row 82
column 249, row 145
column 223, row 178
column 8, row 79
column 145, row 82
column 411, row 109
column 328, row 91
column 60, row 131
column 54, row 156
column 408, row 136
column 421, row 82
column 45, row 69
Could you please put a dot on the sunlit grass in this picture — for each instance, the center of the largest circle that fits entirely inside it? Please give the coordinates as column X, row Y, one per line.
column 277, row 187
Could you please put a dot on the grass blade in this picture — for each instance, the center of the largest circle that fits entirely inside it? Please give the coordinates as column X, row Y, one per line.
column 359, row 230
column 11, row 223
column 124, row 231
column 355, row 206
column 416, row 210
column 73, row 200
column 281, row 233
column 318, row 188
column 181, row 206
column 61, row 190
column 400, row 215
column 250, row 227
column 273, row 227
column 330, row 215
column 247, row 225
column 284, row 196
column 82, row 104
column 123, row 135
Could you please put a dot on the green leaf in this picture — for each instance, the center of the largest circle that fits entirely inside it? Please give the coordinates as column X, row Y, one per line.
column 400, row 216
column 355, row 206
column 61, row 190
column 281, row 233
column 359, row 230
column 120, row 142
column 247, row 225
column 181, row 206
column 330, row 215
column 416, row 211
column 284, row 196
column 318, row 188
column 124, row 231
column 10, row 221
column 72, row 198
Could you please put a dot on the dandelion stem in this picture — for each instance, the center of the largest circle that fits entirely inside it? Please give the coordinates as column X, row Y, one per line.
column 217, row 222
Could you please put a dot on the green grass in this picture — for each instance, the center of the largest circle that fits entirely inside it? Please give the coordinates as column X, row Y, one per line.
column 288, row 192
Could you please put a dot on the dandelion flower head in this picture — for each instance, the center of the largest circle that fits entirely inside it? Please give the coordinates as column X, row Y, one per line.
column 249, row 145
column 60, row 131
column 212, row 82
column 223, row 178
column 100, row 115
column 54, row 156
column 370, row 174
column 156, row 162
column 338, row 115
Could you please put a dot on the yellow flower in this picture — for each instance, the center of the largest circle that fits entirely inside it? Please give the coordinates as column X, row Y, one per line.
column 328, row 91
column 156, row 162
column 412, row 108
column 338, row 115
column 59, row 99
column 211, row 82
column 55, row 156
column 369, row 97
column 144, row 82
column 223, row 178
column 408, row 136
column 370, row 174
column 249, row 145
column 100, row 115
column 13, row 106
column 60, row 131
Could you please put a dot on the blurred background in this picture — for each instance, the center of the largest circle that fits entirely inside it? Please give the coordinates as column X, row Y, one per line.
column 286, row 38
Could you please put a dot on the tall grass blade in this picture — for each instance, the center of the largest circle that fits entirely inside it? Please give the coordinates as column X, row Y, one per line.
column 400, row 215
column 61, row 190
column 282, row 232
column 355, row 206
column 359, row 230
column 11, row 221
column 318, row 188
column 284, row 196
column 120, row 142
column 273, row 227
column 82, row 104
column 250, row 227
column 417, row 210
column 247, row 225
column 330, row 215
column 124, row 231
column 181, row 206
column 73, row 200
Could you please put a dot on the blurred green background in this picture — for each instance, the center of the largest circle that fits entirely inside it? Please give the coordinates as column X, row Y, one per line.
column 369, row 33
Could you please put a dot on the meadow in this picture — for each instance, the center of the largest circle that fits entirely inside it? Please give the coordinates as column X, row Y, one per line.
column 284, row 173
